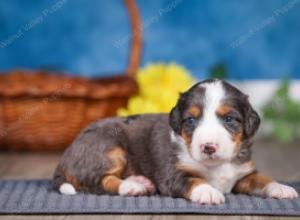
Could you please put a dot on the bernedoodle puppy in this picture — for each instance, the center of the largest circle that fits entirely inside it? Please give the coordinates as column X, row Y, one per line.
column 199, row 151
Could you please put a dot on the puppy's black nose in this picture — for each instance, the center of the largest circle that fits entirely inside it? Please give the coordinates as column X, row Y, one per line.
column 209, row 149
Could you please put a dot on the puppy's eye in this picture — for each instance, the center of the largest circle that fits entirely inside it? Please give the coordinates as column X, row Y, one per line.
column 228, row 119
column 190, row 121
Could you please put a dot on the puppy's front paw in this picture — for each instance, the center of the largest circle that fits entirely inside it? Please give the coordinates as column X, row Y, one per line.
column 206, row 194
column 131, row 188
column 279, row 191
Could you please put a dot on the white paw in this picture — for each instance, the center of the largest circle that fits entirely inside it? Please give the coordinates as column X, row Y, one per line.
column 279, row 191
column 206, row 194
column 147, row 183
column 67, row 189
column 131, row 188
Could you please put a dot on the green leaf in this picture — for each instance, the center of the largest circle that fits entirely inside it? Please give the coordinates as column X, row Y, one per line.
column 283, row 90
column 283, row 131
column 269, row 111
column 292, row 111
column 219, row 71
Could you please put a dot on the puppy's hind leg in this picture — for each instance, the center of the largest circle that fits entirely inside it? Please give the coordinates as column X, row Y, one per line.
column 111, row 180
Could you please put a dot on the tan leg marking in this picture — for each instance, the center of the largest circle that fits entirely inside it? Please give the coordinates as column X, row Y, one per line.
column 195, row 180
column 192, row 183
column 111, row 183
column 74, row 182
column 252, row 182
column 112, row 178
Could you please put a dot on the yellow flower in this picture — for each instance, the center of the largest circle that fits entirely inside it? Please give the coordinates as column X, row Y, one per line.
column 160, row 85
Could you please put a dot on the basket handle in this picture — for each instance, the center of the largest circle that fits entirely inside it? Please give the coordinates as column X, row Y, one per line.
column 136, row 39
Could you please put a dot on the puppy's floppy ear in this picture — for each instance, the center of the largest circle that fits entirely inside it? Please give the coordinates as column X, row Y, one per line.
column 252, row 120
column 175, row 117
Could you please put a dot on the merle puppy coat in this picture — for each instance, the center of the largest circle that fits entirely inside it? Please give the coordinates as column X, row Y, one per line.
column 199, row 151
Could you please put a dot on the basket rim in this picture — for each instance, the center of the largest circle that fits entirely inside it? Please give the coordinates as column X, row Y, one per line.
column 20, row 83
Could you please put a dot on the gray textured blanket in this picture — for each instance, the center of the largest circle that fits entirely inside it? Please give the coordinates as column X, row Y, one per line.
column 36, row 197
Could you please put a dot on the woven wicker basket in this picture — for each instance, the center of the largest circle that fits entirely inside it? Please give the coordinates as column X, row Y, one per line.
column 45, row 111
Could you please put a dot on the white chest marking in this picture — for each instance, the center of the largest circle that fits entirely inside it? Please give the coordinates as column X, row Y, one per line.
column 225, row 176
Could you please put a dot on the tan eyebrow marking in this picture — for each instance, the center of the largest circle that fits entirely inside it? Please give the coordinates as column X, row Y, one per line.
column 195, row 111
column 223, row 110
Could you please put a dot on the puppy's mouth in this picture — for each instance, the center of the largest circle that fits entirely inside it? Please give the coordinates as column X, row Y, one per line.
column 212, row 159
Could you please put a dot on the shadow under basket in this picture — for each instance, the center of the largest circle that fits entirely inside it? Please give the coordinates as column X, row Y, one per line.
column 41, row 111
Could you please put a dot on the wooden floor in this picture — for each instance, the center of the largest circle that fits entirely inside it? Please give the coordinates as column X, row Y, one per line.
column 277, row 160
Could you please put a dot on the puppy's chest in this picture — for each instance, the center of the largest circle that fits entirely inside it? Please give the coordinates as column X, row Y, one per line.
column 225, row 176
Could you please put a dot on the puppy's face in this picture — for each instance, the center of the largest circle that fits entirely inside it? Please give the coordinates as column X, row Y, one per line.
column 214, row 119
